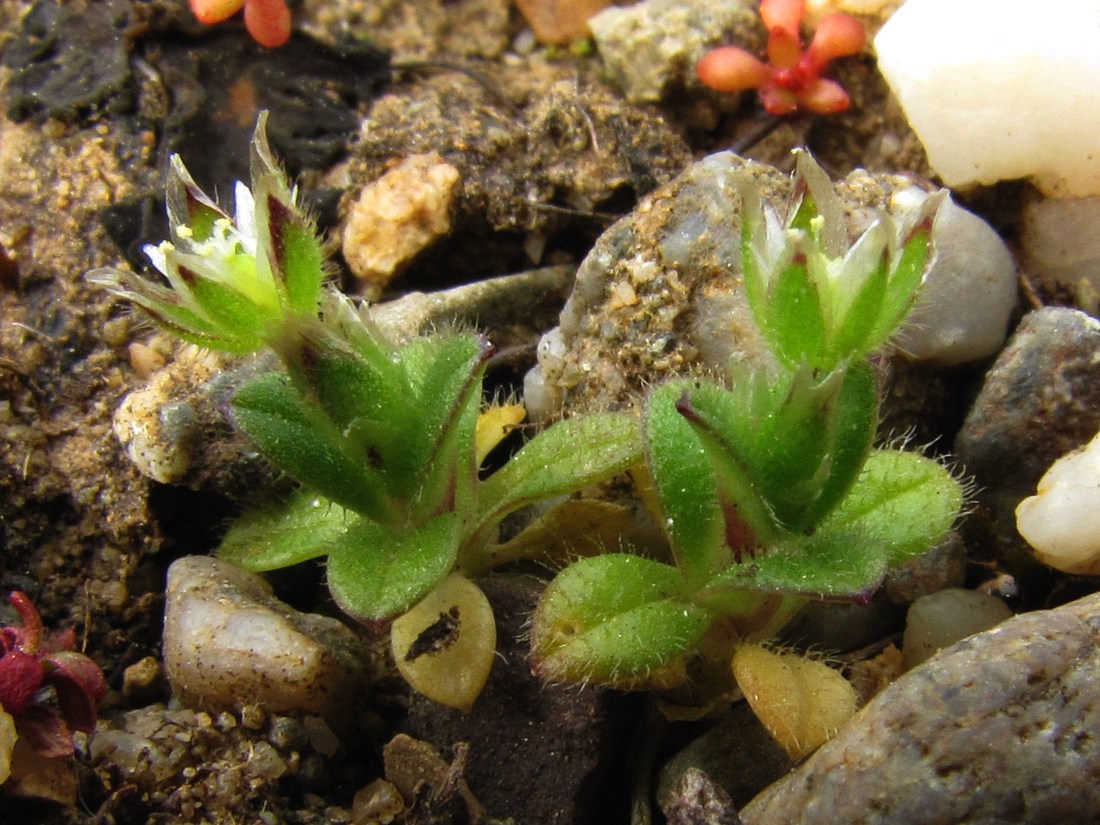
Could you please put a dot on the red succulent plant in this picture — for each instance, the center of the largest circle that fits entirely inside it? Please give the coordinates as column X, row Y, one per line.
column 791, row 79
column 268, row 21
column 48, row 688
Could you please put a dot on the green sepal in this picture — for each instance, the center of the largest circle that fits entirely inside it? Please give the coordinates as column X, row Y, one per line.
column 793, row 319
column 294, row 253
column 300, row 440
column 618, row 620
column 292, row 531
column 907, row 275
column 376, row 573
column 230, row 311
column 562, row 459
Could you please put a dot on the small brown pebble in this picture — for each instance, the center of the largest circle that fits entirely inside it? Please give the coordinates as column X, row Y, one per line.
column 143, row 680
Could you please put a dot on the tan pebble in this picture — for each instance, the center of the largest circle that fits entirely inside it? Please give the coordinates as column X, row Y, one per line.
column 399, row 215
column 560, row 21
column 142, row 679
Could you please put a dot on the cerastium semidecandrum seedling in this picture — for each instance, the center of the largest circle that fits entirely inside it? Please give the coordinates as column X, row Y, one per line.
column 769, row 490
column 382, row 435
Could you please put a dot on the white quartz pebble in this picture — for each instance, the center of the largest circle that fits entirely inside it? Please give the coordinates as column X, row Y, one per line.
column 1000, row 89
column 1062, row 520
column 228, row 641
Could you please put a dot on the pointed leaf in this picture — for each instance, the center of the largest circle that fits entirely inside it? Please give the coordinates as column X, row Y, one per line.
column 290, row 532
column 686, row 486
column 302, row 442
column 442, row 455
column 567, row 457
column 376, row 573
column 618, row 620
column 851, row 431
column 900, row 507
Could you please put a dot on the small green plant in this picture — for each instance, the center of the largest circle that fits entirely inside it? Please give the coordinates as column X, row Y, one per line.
column 383, row 436
column 768, row 488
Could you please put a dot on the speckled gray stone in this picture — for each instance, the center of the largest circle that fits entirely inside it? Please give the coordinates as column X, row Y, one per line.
column 651, row 48
column 661, row 292
column 1040, row 400
column 1003, row 727
column 229, row 641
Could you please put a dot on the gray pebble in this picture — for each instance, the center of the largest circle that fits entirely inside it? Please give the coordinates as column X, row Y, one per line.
column 1040, row 400
column 650, row 49
column 1000, row 728
column 228, row 641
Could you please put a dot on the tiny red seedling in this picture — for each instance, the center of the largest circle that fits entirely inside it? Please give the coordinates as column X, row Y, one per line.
column 791, row 79
column 48, row 688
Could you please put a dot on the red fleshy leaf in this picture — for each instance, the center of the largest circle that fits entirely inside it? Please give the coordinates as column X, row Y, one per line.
column 824, row 97
column 28, row 636
column 268, row 21
column 783, row 14
column 731, row 69
column 20, row 678
column 838, row 35
column 80, row 685
column 44, row 730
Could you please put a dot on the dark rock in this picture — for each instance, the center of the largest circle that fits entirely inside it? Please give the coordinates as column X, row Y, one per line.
column 698, row 801
column 1040, row 400
column 737, row 757
column 221, row 82
column 1000, row 728
column 546, row 754
column 70, row 60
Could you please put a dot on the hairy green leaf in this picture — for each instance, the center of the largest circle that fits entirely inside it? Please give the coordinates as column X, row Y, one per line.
column 688, row 488
column 619, row 620
column 564, row 458
column 901, row 506
column 287, row 532
column 377, row 573
column 298, row 438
